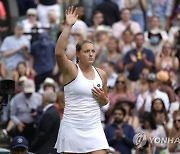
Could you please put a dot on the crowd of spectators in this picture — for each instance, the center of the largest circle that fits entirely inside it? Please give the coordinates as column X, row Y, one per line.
column 137, row 44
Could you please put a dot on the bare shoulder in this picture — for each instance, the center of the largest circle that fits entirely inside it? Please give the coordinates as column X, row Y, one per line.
column 102, row 74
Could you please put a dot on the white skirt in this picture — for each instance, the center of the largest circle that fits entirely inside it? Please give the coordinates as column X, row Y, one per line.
column 80, row 140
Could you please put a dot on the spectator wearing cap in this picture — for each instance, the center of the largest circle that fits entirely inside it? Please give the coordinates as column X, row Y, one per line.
column 31, row 25
column 144, row 100
column 19, row 145
column 47, row 132
column 15, row 49
column 22, row 110
column 137, row 59
column 48, row 84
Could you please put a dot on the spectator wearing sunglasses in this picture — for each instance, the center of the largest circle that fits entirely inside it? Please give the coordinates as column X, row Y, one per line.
column 119, row 92
column 144, row 100
column 175, row 132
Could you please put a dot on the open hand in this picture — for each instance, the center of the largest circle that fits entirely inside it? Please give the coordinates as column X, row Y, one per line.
column 71, row 16
column 99, row 94
column 133, row 58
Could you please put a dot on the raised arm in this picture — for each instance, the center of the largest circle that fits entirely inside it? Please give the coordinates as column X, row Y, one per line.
column 66, row 66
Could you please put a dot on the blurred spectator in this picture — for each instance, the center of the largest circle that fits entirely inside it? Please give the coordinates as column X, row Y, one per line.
column 161, row 9
column 19, row 145
column 43, row 59
column 167, row 61
column 2, row 11
column 32, row 27
column 46, row 134
column 23, row 109
column 154, row 42
column 109, row 68
column 148, row 126
column 54, row 25
column 24, row 5
column 19, row 84
column 120, row 91
column 48, row 85
column 141, row 85
column 175, row 105
column 137, row 59
column 44, row 7
column 3, row 18
column 97, row 19
column 120, row 3
column 111, row 53
column 22, row 70
column 174, row 35
column 77, row 35
column 2, row 69
column 137, row 7
column 110, row 11
column 89, row 6
column 144, row 100
column 120, row 26
column 130, row 117
column 15, row 49
column 165, row 85
column 102, row 35
column 174, row 146
column 177, row 92
column 126, row 42
column 174, row 32
column 80, row 25
column 59, row 105
column 160, row 114
column 155, row 25
column 68, row 3
column 120, row 134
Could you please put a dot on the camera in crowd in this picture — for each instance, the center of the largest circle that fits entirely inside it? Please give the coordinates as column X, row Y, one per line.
column 7, row 88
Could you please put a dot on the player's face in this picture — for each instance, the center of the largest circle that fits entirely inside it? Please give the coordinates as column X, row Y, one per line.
column 87, row 54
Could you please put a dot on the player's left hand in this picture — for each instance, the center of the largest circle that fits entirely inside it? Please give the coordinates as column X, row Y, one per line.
column 99, row 94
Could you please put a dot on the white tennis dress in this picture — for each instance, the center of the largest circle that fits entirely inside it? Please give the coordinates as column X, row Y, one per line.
column 80, row 129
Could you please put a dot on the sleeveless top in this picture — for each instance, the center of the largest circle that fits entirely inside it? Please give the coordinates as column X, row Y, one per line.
column 81, row 109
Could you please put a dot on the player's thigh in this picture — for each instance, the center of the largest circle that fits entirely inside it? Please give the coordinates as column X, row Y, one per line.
column 99, row 152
